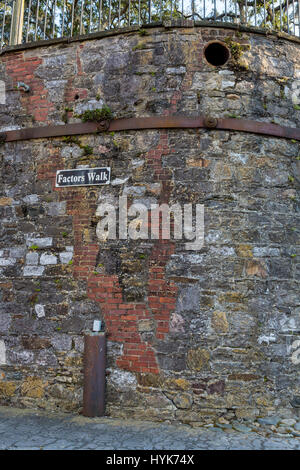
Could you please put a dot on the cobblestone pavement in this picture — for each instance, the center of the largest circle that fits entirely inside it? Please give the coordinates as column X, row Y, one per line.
column 27, row 429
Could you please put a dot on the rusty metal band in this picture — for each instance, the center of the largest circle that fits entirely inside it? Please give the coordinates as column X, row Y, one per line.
column 94, row 375
column 155, row 122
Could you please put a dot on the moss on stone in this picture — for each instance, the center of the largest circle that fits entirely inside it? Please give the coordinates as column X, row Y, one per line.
column 139, row 46
column 237, row 50
column 7, row 389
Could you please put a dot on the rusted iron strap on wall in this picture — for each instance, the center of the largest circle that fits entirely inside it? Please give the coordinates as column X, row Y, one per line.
column 94, row 374
column 155, row 122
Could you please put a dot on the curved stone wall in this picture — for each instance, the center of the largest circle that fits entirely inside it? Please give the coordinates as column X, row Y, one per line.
column 192, row 335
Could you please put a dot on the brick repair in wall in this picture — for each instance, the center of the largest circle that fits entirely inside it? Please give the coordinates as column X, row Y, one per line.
column 191, row 335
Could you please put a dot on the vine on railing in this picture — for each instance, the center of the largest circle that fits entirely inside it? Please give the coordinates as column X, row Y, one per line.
column 23, row 21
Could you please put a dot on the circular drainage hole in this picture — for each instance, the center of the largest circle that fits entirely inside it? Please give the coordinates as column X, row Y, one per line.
column 216, row 53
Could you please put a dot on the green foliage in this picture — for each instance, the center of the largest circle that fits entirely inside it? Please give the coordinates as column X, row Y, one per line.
column 58, row 283
column 142, row 32
column 83, row 17
column 139, row 46
column 64, row 117
column 97, row 114
column 232, row 115
column 70, row 139
column 87, row 150
column 236, row 48
column 33, row 299
column 33, row 247
column 282, row 94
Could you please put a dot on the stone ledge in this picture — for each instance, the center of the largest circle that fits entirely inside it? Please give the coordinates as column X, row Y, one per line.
column 165, row 25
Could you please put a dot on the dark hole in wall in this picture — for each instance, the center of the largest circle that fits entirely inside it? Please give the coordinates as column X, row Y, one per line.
column 216, row 53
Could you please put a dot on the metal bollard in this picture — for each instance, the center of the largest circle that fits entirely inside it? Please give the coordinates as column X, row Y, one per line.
column 94, row 374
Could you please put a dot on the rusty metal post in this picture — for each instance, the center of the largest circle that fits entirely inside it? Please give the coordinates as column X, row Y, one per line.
column 17, row 23
column 94, row 374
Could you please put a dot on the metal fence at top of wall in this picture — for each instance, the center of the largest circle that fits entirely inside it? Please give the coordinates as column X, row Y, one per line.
column 23, row 21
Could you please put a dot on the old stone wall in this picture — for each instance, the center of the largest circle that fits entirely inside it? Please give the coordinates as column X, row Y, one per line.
column 192, row 335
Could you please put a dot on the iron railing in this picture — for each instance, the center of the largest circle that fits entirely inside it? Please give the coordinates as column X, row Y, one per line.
column 23, row 21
